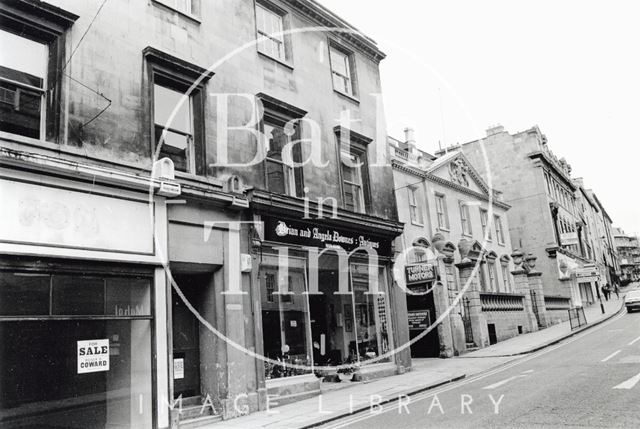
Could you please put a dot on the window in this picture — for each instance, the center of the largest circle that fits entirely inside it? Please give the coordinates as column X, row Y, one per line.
column 546, row 179
column 482, row 279
column 484, row 221
column 506, row 276
column 465, row 218
column 342, row 71
column 270, row 27
column 280, row 128
column 182, row 6
column 175, row 136
column 499, row 229
column 493, row 285
column 178, row 116
column 441, row 211
column 32, row 37
column 414, row 210
column 354, row 170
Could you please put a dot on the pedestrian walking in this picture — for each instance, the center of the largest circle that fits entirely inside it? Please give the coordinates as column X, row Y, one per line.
column 603, row 289
column 616, row 289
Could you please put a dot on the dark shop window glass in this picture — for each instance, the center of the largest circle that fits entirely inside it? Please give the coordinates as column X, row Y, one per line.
column 77, row 295
column 128, row 297
column 23, row 294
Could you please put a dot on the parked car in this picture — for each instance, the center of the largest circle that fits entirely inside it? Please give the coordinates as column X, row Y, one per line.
column 632, row 300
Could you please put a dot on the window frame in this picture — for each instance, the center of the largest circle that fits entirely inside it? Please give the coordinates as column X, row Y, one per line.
column 358, row 146
column 351, row 70
column 497, row 220
column 179, row 75
column 465, row 218
column 415, row 213
column 445, row 215
column 484, row 223
column 285, row 41
column 274, row 111
column 46, row 24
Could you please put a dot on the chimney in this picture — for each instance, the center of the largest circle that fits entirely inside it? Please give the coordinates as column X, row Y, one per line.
column 409, row 138
column 495, row 129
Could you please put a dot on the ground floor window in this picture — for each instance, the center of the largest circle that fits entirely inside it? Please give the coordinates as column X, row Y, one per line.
column 76, row 351
column 324, row 329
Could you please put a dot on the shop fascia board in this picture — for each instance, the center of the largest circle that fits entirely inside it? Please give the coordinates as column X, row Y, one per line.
column 282, row 205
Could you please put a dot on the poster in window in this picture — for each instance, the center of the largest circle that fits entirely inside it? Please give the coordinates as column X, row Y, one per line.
column 93, row 356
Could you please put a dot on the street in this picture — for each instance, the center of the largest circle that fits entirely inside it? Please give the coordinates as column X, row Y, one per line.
column 590, row 380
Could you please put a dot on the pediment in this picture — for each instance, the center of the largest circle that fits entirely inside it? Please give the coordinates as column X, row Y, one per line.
column 455, row 168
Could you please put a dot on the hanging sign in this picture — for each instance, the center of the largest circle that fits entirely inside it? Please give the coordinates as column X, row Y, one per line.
column 93, row 356
column 178, row 368
column 420, row 273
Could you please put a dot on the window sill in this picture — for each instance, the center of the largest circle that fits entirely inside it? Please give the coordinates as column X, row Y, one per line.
column 441, row 228
column 347, row 96
column 416, row 223
column 178, row 11
column 286, row 64
column 501, row 244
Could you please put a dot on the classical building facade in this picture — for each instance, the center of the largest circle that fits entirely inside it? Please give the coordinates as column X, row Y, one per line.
column 458, row 227
column 544, row 218
column 173, row 259
column 628, row 248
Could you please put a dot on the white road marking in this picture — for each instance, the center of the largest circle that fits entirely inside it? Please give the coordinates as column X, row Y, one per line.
column 506, row 380
column 611, row 355
column 347, row 421
column 630, row 383
column 634, row 341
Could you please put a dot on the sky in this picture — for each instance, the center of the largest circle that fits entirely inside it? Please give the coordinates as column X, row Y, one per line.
column 454, row 68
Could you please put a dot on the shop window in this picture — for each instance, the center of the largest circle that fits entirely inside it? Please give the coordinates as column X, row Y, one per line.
column 281, row 130
column 342, row 70
column 465, row 218
column 177, row 110
column 271, row 23
column 24, row 294
column 441, row 211
column 69, row 363
column 354, row 170
column 32, row 39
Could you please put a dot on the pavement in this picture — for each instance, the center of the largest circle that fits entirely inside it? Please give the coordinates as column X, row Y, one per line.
column 336, row 405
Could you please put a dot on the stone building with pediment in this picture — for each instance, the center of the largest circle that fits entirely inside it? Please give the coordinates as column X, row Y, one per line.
column 454, row 220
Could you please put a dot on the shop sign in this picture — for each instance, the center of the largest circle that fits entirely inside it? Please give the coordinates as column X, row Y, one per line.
column 311, row 234
column 587, row 272
column 419, row 320
column 93, row 356
column 569, row 238
column 566, row 266
column 178, row 368
column 420, row 273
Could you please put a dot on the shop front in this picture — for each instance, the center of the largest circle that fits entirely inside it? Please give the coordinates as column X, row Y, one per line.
column 325, row 302
column 420, row 278
column 81, row 305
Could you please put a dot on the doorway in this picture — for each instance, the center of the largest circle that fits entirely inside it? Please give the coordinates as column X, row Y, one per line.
column 422, row 313
column 186, row 335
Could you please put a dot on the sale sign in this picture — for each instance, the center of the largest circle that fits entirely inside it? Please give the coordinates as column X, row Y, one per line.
column 93, row 356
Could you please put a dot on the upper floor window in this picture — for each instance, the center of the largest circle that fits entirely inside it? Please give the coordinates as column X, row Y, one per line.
column 499, row 230
column 465, row 218
column 414, row 209
column 441, row 211
column 342, row 70
column 270, row 27
column 484, row 221
column 354, row 170
column 178, row 114
column 493, row 284
column 506, row 276
column 187, row 7
column 281, row 129
column 32, row 41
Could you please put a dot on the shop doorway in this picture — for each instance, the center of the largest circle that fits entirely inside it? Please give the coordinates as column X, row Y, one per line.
column 422, row 313
column 186, row 334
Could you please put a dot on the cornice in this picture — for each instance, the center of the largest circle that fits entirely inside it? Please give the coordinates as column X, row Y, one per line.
column 326, row 18
column 543, row 157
